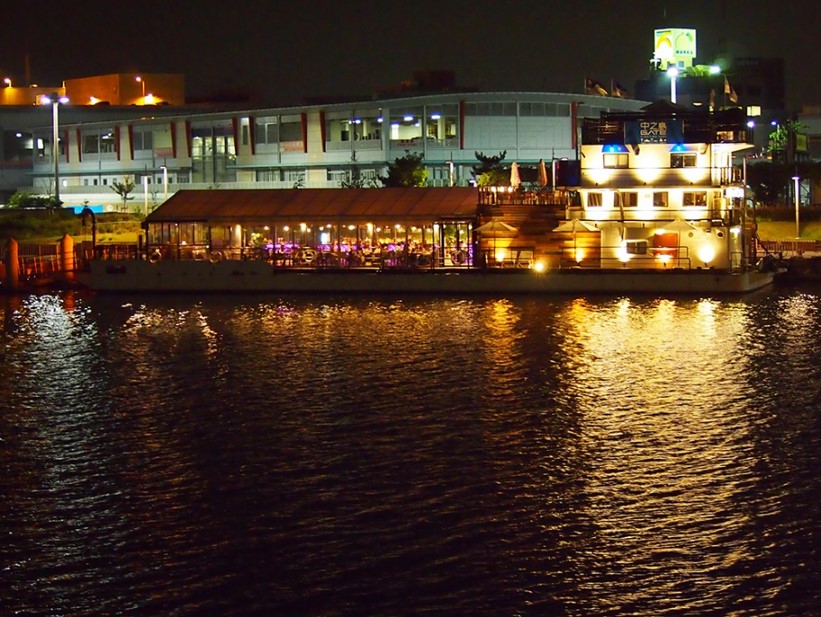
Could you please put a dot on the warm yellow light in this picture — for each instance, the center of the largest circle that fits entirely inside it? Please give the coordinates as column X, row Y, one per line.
column 302, row 226
column 370, row 228
column 149, row 99
column 648, row 175
column 706, row 252
column 286, row 228
column 539, row 266
column 93, row 100
column 579, row 255
column 664, row 258
column 622, row 254
column 600, row 176
column 500, row 254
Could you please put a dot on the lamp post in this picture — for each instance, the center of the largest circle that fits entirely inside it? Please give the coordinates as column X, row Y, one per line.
column 672, row 73
column 7, row 81
column 797, row 202
column 751, row 126
column 142, row 83
column 55, row 100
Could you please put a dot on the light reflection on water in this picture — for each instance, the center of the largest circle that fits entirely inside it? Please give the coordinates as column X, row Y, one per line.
column 253, row 455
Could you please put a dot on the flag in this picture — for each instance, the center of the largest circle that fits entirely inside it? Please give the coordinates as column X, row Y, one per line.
column 619, row 91
column 730, row 92
column 591, row 86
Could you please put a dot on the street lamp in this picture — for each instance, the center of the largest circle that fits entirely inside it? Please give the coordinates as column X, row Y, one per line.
column 55, row 100
column 165, row 182
column 797, row 202
column 7, row 81
column 672, row 73
column 142, row 83
column 751, row 126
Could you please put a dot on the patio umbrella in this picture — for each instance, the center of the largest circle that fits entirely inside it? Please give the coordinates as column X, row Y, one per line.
column 515, row 180
column 574, row 226
column 494, row 229
column 542, row 174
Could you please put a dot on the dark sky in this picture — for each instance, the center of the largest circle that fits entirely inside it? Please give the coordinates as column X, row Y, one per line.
column 288, row 50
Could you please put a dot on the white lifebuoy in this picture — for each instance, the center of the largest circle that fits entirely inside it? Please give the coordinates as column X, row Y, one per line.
column 155, row 256
column 215, row 257
column 459, row 257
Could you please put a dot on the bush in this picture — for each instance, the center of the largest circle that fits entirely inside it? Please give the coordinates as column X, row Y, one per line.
column 47, row 225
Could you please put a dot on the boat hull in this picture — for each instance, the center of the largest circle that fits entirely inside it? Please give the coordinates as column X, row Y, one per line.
column 258, row 276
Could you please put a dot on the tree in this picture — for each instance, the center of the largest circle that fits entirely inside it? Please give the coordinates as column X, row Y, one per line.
column 29, row 199
column 490, row 171
column 123, row 189
column 408, row 170
column 782, row 139
column 356, row 180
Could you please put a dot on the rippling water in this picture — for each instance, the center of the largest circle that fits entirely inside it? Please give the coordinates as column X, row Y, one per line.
column 253, row 455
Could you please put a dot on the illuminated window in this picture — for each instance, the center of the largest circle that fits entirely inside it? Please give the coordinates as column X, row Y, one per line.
column 679, row 160
column 695, row 198
column 627, row 200
column 594, row 200
column 660, row 199
column 754, row 111
column 616, row 160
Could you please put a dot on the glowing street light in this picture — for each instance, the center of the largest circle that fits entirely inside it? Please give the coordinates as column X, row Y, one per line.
column 7, row 81
column 55, row 100
column 142, row 83
column 672, row 73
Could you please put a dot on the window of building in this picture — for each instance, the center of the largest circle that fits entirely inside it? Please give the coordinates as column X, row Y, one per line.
column 266, row 130
column 143, row 139
column 353, row 125
column 491, row 109
column 628, row 199
column 616, row 160
column 635, row 247
column 441, row 122
column 406, row 125
column 660, row 199
column 594, row 200
column 694, row 198
column 290, row 134
column 269, row 175
column 679, row 160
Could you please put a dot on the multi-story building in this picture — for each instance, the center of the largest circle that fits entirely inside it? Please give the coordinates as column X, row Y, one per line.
column 319, row 145
column 659, row 189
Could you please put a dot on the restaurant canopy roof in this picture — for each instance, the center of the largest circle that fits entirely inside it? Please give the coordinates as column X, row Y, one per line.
column 290, row 205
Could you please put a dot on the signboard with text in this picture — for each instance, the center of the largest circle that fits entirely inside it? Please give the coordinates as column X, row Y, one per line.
column 675, row 47
column 653, row 132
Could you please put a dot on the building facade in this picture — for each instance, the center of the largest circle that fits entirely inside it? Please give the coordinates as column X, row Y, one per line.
column 316, row 146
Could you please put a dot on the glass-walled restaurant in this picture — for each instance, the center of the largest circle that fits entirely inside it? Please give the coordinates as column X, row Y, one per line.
column 384, row 228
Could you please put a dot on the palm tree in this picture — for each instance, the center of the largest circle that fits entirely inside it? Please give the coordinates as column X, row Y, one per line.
column 123, row 189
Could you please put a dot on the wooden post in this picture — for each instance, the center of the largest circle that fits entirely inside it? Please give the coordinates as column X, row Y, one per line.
column 67, row 258
column 12, row 264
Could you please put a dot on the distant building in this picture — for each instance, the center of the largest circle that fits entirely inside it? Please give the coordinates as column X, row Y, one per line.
column 127, row 89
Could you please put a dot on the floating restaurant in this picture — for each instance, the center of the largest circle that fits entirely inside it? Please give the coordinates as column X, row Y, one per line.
column 653, row 193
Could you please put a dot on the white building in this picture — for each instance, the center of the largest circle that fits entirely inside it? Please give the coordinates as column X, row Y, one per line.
column 315, row 146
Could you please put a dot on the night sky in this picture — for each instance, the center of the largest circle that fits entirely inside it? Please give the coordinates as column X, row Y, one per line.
column 285, row 51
